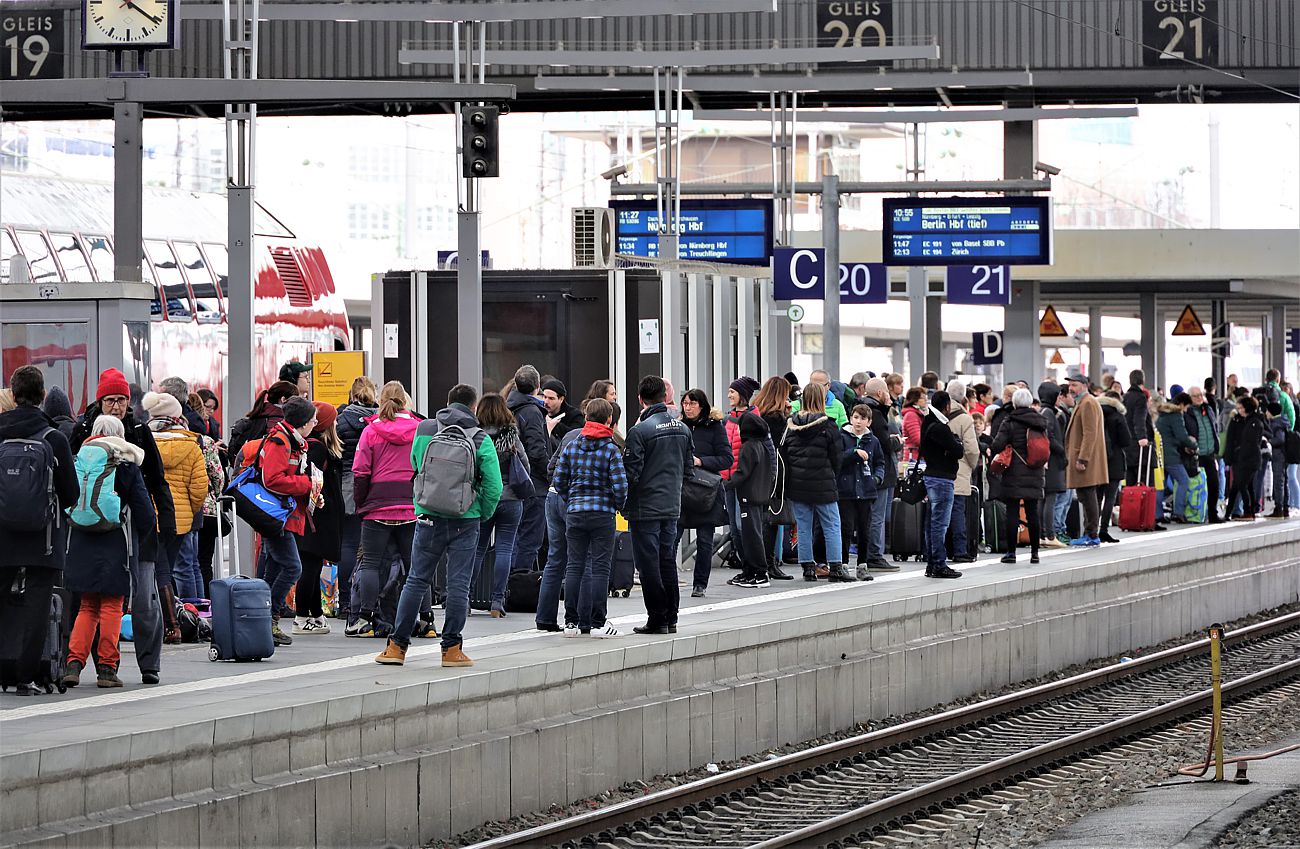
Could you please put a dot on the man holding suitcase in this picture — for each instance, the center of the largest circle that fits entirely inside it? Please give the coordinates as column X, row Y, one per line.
column 33, row 534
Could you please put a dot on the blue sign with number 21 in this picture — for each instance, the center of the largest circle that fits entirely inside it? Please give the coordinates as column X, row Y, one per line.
column 979, row 284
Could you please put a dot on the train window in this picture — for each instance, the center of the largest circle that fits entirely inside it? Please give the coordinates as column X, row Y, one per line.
column 171, row 280
column 206, row 303
column 39, row 257
column 67, row 247
column 8, row 250
column 101, row 257
column 219, row 262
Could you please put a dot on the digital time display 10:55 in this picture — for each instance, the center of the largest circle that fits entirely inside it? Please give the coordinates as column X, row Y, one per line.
column 968, row 231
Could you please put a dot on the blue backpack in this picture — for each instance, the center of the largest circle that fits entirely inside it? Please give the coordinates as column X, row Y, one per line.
column 98, row 507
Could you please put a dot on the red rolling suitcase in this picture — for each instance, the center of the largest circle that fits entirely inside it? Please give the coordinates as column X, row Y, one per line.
column 1137, row 503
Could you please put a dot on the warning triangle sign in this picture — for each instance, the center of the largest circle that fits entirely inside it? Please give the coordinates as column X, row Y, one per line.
column 1050, row 324
column 1057, row 359
column 1189, row 324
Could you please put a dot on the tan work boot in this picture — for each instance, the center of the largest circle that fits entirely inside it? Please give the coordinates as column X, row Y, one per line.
column 392, row 655
column 455, row 657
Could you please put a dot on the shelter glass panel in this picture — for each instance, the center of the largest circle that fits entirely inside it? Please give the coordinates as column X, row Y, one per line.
column 8, row 250
column 58, row 349
column 206, row 301
column 67, row 247
column 517, row 332
column 171, row 279
column 101, row 257
column 219, row 262
column 39, row 257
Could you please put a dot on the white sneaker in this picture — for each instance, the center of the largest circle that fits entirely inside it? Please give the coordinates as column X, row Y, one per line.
column 319, row 626
column 301, row 626
column 361, row 628
column 570, row 629
column 609, row 632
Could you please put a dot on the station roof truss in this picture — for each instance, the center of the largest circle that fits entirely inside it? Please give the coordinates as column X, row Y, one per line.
column 921, row 53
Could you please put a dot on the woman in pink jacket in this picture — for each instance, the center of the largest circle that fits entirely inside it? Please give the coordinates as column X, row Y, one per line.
column 383, row 490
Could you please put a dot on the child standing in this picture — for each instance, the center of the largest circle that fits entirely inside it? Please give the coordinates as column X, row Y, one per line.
column 101, row 547
column 322, row 539
column 751, row 483
column 862, row 471
column 593, row 483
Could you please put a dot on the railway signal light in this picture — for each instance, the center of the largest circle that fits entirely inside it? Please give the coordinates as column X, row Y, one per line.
column 481, row 139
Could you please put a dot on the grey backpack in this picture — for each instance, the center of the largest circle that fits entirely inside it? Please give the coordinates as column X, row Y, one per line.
column 445, row 483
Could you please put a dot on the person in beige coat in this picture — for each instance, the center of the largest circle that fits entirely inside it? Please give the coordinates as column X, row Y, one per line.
column 1086, row 469
column 963, row 426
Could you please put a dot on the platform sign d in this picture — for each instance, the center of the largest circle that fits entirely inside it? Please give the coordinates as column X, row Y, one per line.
column 799, row 274
column 986, row 348
column 979, row 284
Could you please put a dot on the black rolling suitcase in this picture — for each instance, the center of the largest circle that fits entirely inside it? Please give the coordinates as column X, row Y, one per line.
column 480, row 586
column 995, row 526
column 972, row 526
column 56, row 627
column 622, row 569
column 907, row 529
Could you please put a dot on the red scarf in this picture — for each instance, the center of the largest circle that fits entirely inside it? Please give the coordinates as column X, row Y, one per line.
column 596, row 430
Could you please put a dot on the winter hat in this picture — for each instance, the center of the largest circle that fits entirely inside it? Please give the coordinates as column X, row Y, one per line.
column 790, row 378
column 745, row 387
column 56, row 403
column 555, row 386
column 160, row 405
column 1175, row 390
column 325, row 415
column 298, row 411
column 112, row 382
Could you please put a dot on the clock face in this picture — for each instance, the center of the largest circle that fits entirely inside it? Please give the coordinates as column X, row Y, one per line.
column 128, row 23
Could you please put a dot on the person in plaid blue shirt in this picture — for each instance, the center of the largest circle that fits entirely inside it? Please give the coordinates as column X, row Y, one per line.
column 591, row 479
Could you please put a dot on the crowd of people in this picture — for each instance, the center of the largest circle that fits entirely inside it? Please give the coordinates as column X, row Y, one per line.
column 838, row 480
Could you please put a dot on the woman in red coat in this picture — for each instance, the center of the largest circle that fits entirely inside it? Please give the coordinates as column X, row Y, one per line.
column 285, row 471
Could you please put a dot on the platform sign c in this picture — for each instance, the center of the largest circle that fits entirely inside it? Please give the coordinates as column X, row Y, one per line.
column 799, row 274
column 986, row 348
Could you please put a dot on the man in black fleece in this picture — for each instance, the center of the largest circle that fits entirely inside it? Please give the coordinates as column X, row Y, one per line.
column 531, row 420
column 942, row 451
column 752, row 484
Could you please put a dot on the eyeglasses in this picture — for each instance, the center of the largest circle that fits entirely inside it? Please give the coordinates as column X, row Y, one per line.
column 114, row 401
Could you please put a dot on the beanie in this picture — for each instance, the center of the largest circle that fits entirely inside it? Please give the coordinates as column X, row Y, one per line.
column 298, row 411
column 555, row 386
column 745, row 387
column 325, row 415
column 112, row 382
column 790, row 378
column 56, row 403
column 160, row 405
column 1176, row 389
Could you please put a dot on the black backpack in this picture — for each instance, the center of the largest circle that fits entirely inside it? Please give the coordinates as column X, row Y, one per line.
column 28, row 503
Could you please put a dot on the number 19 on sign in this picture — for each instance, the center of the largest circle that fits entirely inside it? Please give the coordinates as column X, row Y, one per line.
column 979, row 284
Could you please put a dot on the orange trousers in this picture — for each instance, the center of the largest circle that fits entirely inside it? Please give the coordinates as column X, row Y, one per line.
column 97, row 611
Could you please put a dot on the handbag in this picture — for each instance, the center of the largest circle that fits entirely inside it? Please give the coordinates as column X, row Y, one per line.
column 703, row 502
column 519, row 479
column 911, row 489
column 780, row 510
column 1001, row 462
column 266, row 512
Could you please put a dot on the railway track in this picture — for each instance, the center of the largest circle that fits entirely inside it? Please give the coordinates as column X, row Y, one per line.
column 850, row 789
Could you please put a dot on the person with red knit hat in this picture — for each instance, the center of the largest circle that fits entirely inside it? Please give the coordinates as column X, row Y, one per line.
column 151, row 570
column 322, row 539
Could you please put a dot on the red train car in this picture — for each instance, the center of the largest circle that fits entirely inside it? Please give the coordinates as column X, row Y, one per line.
column 61, row 231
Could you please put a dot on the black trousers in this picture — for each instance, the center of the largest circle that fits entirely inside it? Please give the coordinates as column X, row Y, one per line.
column 207, row 550
column 1211, row 466
column 1090, row 498
column 23, row 621
column 1241, row 484
column 750, row 546
column 306, row 599
column 855, row 526
column 1013, row 522
column 1108, row 505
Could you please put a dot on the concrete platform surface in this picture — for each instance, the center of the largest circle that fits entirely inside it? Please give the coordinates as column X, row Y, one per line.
column 1187, row 816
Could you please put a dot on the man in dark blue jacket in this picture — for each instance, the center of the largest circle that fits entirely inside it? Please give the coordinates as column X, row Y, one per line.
column 658, row 457
column 530, row 417
column 31, row 561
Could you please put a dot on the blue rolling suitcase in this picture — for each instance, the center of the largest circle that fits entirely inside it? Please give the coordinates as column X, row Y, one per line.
column 241, row 619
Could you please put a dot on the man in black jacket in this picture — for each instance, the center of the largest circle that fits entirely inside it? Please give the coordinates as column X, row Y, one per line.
column 30, row 562
column 530, row 418
column 878, row 399
column 658, row 457
column 1139, row 425
column 561, row 417
column 150, row 570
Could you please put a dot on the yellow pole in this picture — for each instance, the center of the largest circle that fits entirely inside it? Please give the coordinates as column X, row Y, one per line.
column 1216, row 634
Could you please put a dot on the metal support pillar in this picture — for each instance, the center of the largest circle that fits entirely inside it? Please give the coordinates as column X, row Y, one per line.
column 1096, row 359
column 1022, row 353
column 724, row 342
column 1019, row 149
column 128, row 192
column 1153, row 328
column 831, row 305
column 700, row 333
column 1162, row 339
column 671, row 341
column 1220, row 345
column 1277, row 341
column 746, row 338
column 899, row 356
column 469, row 300
column 917, row 284
column 934, row 336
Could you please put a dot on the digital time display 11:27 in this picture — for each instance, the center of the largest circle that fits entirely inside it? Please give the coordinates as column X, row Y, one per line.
column 968, row 231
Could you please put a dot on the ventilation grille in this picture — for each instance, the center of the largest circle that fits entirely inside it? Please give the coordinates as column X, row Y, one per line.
column 291, row 275
column 593, row 237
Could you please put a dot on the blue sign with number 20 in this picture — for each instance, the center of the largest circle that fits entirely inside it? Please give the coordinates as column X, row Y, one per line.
column 979, row 284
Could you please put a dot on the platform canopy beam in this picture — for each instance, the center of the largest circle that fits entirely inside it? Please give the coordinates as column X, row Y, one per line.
column 941, row 116
column 813, row 83
column 848, row 188
column 450, row 11
column 678, row 58
column 216, row 91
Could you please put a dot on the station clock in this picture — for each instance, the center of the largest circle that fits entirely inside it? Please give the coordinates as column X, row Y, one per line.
column 127, row 24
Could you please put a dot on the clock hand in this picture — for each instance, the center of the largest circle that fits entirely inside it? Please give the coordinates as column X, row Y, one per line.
column 143, row 12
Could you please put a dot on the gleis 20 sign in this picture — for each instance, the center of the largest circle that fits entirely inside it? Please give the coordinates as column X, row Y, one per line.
column 854, row 23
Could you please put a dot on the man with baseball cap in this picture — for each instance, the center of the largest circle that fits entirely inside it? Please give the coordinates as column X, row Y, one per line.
column 298, row 374
column 113, row 398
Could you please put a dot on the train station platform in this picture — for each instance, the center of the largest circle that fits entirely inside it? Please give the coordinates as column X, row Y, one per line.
column 321, row 746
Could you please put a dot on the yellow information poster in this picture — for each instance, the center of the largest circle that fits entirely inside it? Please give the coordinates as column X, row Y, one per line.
column 332, row 373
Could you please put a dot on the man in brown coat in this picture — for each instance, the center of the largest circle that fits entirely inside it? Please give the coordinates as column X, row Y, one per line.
column 1086, row 470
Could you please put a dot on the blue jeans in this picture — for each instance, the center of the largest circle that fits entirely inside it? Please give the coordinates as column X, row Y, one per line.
column 557, row 559
column 960, row 545
column 1293, row 484
column 1061, row 510
column 654, row 551
column 586, row 577
column 940, row 493
column 879, row 518
column 185, row 567
column 829, row 517
column 532, row 526
column 283, row 568
column 505, row 521
column 1177, row 479
column 458, row 539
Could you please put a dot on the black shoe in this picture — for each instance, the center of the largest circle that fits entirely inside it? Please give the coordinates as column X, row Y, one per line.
column 839, row 575
column 1159, row 527
column 550, row 628
column 672, row 629
column 809, row 572
column 1033, row 558
column 942, row 572
column 964, row 558
column 1008, row 558
column 653, row 629
column 775, row 572
column 148, row 677
column 1108, row 538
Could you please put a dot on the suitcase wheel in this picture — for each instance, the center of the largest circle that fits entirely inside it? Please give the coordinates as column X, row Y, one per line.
column 214, row 654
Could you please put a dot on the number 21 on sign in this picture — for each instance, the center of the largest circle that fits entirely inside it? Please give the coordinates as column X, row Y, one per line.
column 979, row 284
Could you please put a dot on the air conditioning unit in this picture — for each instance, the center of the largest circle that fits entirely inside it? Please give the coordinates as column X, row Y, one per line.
column 593, row 237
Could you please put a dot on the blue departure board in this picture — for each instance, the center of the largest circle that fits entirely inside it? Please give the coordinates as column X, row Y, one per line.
column 968, row 231
column 730, row 231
